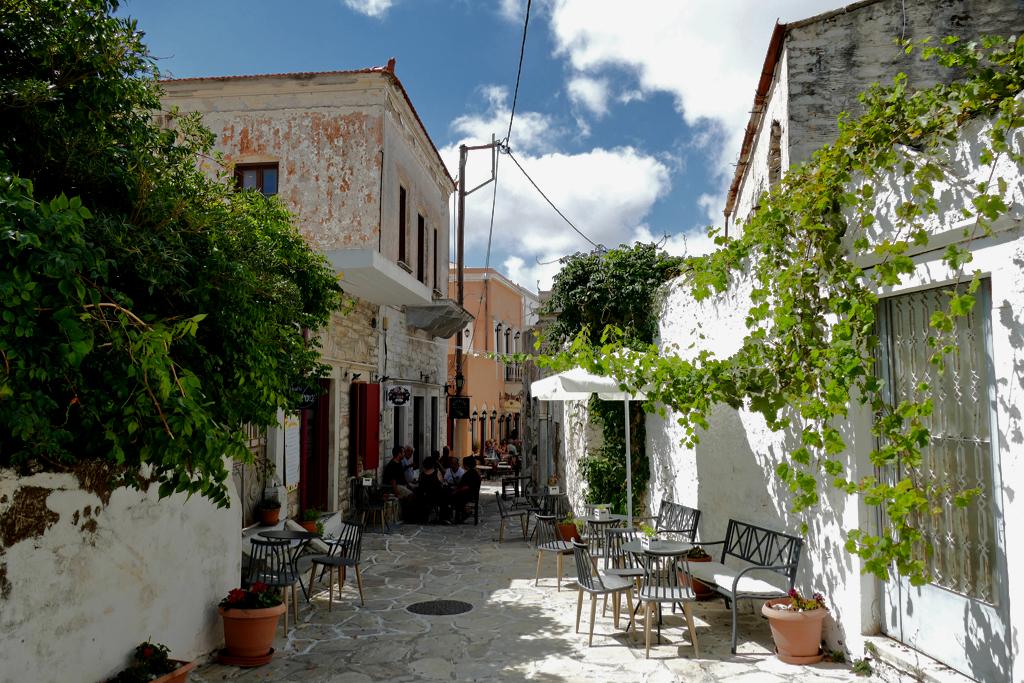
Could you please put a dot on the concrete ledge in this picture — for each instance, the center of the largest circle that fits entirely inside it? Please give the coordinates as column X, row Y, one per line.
column 895, row 662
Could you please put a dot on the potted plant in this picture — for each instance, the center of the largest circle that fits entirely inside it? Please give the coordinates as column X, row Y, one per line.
column 698, row 554
column 250, row 624
column 571, row 529
column 601, row 512
column 553, row 484
column 310, row 517
column 796, row 626
column 152, row 665
column 270, row 511
column 650, row 540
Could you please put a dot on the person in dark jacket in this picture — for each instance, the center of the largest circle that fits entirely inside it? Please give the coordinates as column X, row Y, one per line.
column 431, row 492
column 467, row 490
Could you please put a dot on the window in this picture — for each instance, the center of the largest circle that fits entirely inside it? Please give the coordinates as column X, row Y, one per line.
column 262, row 177
column 434, row 252
column 421, row 246
column 401, row 224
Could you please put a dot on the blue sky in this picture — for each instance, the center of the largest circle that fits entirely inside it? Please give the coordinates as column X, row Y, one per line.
column 629, row 114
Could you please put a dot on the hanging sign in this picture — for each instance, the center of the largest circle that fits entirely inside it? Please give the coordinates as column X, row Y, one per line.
column 308, row 396
column 458, row 407
column 291, row 452
column 399, row 395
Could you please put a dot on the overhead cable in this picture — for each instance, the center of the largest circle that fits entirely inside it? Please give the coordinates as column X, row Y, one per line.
column 522, row 51
column 510, row 156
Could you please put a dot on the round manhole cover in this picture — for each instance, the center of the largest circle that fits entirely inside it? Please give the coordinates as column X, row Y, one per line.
column 439, row 607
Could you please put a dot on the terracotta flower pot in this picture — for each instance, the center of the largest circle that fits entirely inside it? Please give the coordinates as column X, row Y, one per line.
column 797, row 634
column 269, row 517
column 178, row 675
column 308, row 526
column 569, row 533
column 250, row 632
column 702, row 590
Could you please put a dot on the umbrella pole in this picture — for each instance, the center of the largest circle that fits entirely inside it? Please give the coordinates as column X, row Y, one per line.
column 629, row 471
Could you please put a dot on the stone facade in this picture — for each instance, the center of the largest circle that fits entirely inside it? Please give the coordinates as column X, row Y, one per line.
column 823, row 63
column 349, row 153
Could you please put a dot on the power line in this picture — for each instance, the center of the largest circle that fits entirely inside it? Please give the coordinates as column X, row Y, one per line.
column 592, row 242
column 522, row 51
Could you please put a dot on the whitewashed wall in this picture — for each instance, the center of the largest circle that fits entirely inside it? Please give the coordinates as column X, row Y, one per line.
column 730, row 474
column 87, row 576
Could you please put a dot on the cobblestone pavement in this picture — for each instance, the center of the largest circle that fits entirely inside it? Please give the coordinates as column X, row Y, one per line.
column 515, row 631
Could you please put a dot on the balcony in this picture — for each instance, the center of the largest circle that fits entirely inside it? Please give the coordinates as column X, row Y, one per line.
column 367, row 274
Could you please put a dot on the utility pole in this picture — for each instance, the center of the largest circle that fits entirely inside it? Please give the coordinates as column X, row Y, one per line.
column 460, row 246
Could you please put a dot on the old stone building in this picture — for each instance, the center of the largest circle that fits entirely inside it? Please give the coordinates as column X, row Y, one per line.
column 816, row 68
column 348, row 154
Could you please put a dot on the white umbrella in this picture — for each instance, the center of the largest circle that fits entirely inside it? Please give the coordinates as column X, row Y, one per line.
column 577, row 385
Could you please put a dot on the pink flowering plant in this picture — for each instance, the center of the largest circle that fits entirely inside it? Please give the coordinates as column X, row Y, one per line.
column 257, row 597
column 798, row 603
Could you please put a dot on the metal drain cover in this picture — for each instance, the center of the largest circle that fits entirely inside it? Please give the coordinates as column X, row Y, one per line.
column 439, row 607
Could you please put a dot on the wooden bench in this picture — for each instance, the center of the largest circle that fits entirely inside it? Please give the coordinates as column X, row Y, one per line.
column 760, row 549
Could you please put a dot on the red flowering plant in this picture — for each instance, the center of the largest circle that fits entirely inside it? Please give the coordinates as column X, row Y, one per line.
column 798, row 603
column 151, row 662
column 257, row 597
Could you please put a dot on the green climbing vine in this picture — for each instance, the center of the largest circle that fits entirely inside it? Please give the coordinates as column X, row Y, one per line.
column 809, row 351
column 592, row 291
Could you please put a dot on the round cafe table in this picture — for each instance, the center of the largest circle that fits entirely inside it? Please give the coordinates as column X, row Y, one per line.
column 667, row 549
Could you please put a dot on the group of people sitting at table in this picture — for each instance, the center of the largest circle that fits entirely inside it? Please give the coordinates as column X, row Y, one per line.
column 443, row 484
column 507, row 451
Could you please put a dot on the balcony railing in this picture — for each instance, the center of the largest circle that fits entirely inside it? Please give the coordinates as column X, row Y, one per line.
column 514, row 372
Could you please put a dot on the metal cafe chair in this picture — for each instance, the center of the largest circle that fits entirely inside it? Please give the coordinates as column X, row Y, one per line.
column 595, row 583
column 548, row 541
column 666, row 579
column 345, row 552
column 270, row 563
column 523, row 515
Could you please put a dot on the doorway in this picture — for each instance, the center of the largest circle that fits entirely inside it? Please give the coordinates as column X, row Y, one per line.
column 961, row 617
column 314, row 451
column 418, row 440
column 435, row 427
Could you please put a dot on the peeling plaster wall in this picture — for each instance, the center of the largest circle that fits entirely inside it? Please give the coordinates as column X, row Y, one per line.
column 833, row 60
column 755, row 179
column 85, row 576
column 730, row 474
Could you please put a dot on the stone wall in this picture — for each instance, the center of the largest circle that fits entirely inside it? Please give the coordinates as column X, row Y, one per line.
column 87, row 573
column 833, row 60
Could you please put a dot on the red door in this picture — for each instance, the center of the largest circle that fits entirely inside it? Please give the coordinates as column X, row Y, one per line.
column 365, row 451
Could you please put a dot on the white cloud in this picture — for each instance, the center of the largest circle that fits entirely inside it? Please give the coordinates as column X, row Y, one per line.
column 371, row 8
column 591, row 93
column 606, row 193
column 708, row 55
column 513, row 10
column 530, row 130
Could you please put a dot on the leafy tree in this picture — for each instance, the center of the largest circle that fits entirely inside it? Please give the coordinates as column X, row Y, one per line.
column 147, row 310
column 618, row 289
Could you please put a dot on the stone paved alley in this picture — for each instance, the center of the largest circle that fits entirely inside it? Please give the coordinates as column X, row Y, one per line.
column 514, row 632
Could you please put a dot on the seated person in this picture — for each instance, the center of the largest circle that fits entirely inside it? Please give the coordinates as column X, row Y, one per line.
column 408, row 463
column 431, row 492
column 467, row 490
column 512, row 449
column 489, row 450
column 454, row 472
column 394, row 475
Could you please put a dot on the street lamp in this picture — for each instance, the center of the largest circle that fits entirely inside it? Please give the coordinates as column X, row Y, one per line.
column 460, row 382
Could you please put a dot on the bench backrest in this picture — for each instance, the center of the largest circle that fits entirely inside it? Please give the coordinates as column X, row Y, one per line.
column 759, row 546
column 678, row 519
